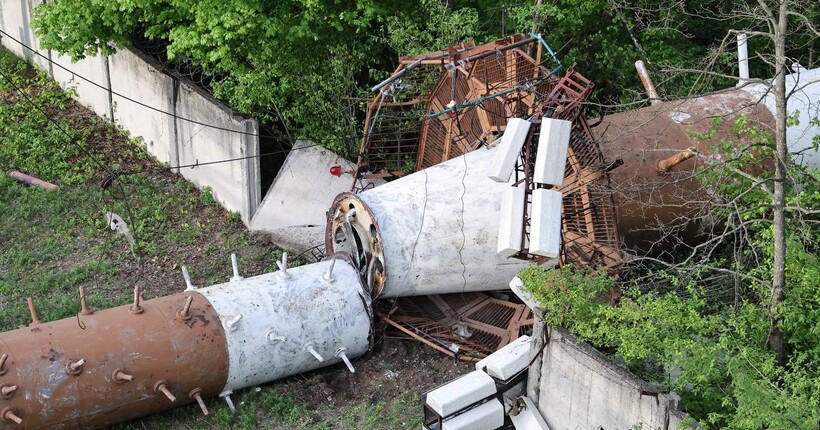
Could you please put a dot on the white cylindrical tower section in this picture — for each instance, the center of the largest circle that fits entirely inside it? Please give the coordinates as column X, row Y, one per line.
column 742, row 58
column 276, row 325
column 432, row 232
column 803, row 91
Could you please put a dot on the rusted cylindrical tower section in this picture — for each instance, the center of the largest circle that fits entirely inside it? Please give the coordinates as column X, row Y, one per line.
column 656, row 185
column 432, row 232
column 114, row 365
column 100, row 369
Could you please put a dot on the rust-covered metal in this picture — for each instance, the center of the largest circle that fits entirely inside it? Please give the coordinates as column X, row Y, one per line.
column 466, row 326
column 31, row 180
column 113, row 365
column 441, row 104
column 652, row 139
column 589, row 223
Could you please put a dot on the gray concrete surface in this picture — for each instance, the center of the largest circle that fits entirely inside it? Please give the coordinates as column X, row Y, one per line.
column 581, row 389
column 132, row 78
column 294, row 211
column 109, row 86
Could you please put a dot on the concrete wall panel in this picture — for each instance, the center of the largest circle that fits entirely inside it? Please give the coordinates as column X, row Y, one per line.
column 132, row 78
column 160, row 114
column 15, row 22
column 223, row 139
column 89, row 77
column 581, row 389
column 41, row 61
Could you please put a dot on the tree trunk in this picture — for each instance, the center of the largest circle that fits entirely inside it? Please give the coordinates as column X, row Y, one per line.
column 776, row 341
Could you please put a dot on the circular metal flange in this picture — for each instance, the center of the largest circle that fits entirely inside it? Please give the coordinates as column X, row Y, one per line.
column 353, row 229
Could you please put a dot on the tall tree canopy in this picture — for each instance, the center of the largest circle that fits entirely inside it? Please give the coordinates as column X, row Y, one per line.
column 295, row 62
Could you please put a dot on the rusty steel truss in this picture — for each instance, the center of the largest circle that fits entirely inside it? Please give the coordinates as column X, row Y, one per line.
column 466, row 326
column 439, row 105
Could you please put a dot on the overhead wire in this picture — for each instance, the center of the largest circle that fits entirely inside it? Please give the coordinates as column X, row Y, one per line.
column 113, row 173
column 105, row 208
column 145, row 105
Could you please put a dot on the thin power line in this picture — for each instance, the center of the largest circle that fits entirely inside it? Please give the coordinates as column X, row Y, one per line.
column 192, row 165
column 156, row 109
column 226, row 160
column 70, row 138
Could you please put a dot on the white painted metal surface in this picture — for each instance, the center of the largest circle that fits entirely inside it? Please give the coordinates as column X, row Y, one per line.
column 274, row 324
column 551, row 157
column 511, row 225
column 507, row 361
column 804, row 88
column 439, row 229
column 460, row 393
column 528, row 417
column 514, row 136
column 488, row 416
column 545, row 223
column 742, row 58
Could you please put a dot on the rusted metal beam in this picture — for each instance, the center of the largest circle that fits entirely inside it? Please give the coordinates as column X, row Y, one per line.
column 31, row 180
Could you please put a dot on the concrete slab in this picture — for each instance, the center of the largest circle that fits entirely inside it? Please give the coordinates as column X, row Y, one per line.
column 295, row 208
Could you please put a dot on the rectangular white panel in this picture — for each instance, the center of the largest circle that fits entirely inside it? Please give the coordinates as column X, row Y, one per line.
column 511, row 142
column 507, row 361
column 511, row 221
column 457, row 395
column 545, row 223
column 488, row 416
column 551, row 157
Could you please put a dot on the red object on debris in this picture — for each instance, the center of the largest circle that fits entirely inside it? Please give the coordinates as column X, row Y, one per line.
column 336, row 170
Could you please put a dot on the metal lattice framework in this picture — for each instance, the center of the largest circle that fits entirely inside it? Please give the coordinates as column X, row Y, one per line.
column 466, row 326
column 442, row 104
column 589, row 225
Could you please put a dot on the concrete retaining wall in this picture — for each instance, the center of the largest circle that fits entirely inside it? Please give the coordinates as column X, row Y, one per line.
column 580, row 388
column 180, row 124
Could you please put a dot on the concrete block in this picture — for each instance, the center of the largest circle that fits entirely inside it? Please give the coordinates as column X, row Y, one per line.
column 488, row 416
column 551, row 156
column 545, row 223
column 528, row 417
column 294, row 209
column 457, row 395
column 511, row 221
column 511, row 143
column 507, row 361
